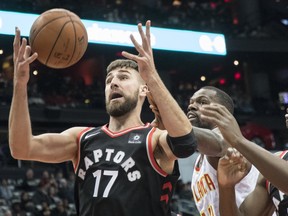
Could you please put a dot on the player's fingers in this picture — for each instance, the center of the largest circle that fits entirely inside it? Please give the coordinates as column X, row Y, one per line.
column 243, row 166
column 22, row 49
column 27, row 52
column 215, row 108
column 137, row 46
column 32, row 58
column 148, row 35
column 153, row 107
column 234, row 152
column 16, row 43
column 143, row 36
column 129, row 56
column 229, row 153
column 154, row 110
column 225, row 157
column 150, row 98
column 211, row 117
column 210, row 110
column 156, row 123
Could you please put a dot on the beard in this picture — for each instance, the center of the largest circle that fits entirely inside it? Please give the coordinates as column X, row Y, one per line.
column 197, row 122
column 117, row 109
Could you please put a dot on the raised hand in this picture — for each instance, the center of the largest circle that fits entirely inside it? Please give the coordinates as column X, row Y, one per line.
column 232, row 168
column 146, row 67
column 145, row 58
column 22, row 58
column 225, row 121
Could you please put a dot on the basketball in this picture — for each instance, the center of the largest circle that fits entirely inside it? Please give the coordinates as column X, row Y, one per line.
column 59, row 37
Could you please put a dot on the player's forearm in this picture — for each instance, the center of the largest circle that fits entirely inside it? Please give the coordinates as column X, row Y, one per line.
column 227, row 202
column 19, row 123
column 173, row 117
column 272, row 167
column 209, row 142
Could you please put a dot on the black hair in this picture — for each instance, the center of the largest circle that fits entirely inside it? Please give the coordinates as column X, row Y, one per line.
column 222, row 97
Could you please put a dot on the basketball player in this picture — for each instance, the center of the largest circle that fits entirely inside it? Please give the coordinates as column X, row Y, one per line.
column 123, row 168
column 271, row 191
column 212, row 147
column 204, row 183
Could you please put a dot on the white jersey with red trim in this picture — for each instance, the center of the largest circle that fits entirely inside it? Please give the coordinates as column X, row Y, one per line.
column 205, row 189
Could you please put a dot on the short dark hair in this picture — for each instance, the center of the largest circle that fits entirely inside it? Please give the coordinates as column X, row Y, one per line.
column 222, row 97
column 122, row 63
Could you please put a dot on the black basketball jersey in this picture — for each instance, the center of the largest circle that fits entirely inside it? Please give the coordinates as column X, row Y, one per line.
column 117, row 174
column 279, row 199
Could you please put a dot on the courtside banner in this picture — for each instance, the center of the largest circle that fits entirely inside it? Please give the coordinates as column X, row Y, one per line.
column 111, row 33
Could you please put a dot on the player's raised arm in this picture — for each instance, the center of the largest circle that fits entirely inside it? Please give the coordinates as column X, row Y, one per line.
column 19, row 120
column 23, row 145
column 271, row 166
column 173, row 117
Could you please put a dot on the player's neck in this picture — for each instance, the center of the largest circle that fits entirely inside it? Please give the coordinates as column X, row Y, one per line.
column 123, row 123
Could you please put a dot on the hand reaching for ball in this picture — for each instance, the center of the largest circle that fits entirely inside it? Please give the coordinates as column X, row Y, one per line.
column 22, row 59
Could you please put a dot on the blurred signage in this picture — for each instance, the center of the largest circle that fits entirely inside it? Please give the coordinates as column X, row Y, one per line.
column 118, row 34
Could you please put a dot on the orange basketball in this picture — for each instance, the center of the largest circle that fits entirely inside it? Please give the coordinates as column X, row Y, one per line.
column 59, row 37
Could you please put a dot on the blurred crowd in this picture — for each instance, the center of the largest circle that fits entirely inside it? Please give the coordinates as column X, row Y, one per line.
column 198, row 15
column 50, row 89
column 64, row 92
column 225, row 16
column 51, row 193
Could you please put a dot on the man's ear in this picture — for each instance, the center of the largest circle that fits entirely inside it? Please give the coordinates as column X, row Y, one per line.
column 144, row 89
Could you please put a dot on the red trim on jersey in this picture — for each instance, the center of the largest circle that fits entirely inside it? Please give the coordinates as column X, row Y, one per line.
column 151, row 158
column 78, row 146
column 281, row 156
column 119, row 133
column 283, row 153
column 197, row 166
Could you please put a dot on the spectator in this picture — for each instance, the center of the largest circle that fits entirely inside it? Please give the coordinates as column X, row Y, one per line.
column 41, row 194
column 16, row 208
column 60, row 209
column 6, row 191
column 30, row 183
column 27, row 203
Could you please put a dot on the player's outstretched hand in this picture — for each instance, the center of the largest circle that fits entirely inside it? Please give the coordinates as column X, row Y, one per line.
column 225, row 121
column 145, row 58
column 232, row 168
column 22, row 58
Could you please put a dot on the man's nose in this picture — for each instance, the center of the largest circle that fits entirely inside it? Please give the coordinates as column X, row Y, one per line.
column 192, row 107
column 114, row 83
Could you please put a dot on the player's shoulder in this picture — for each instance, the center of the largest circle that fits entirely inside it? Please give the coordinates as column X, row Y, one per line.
column 77, row 128
column 278, row 153
column 76, row 131
column 282, row 154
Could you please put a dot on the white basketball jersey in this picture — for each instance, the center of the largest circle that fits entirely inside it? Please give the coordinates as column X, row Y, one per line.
column 205, row 190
